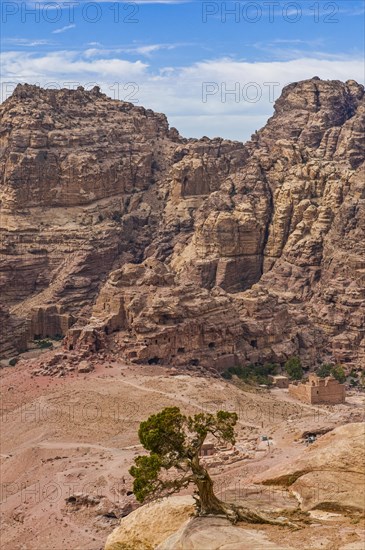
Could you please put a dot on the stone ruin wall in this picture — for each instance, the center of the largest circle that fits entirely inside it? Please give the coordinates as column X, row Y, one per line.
column 332, row 393
column 301, row 392
column 326, row 391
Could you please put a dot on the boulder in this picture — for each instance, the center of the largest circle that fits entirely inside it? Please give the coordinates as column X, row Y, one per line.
column 148, row 526
column 85, row 366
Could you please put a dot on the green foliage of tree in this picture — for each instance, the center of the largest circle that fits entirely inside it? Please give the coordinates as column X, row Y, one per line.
column 252, row 374
column 324, row 370
column 58, row 337
column 43, row 344
column 294, row 369
column 336, row 371
column 174, row 442
column 339, row 373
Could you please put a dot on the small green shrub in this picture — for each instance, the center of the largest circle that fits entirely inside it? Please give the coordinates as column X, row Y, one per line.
column 339, row 373
column 324, row 370
column 294, row 369
column 43, row 344
column 251, row 374
column 332, row 370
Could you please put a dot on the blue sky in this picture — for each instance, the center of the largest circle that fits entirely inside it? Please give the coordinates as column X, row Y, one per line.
column 183, row 58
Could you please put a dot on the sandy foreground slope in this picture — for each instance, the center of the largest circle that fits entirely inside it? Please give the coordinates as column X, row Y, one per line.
column 76, row 437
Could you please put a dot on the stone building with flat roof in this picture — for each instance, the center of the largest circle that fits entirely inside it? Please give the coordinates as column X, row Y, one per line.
column 318, row 390
column 208, row 449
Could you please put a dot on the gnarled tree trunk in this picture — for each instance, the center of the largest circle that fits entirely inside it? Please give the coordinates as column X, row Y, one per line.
column 209, row 504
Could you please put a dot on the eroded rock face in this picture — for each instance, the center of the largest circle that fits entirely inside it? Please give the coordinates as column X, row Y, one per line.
column 205, row 252
column 330, row 474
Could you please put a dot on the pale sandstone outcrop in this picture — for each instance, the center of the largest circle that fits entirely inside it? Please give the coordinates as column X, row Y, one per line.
column 147, row 527
column 189, row 251
column 167, row 525
column 330, row 474
column 218, row 534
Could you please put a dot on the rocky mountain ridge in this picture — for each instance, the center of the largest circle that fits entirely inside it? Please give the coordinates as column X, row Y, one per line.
column 116, row 231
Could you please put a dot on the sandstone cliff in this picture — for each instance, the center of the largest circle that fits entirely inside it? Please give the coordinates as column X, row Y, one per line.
column 116, row 229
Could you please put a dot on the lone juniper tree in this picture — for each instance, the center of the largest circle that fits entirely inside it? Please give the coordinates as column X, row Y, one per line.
column 174, row 442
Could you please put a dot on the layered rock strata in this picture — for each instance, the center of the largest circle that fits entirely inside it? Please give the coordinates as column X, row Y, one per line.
column 115, row 230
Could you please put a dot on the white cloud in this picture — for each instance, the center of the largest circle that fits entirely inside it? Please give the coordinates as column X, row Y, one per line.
column 61, row 65
column 26, row 42
column 144, row 50
column 63, row 29
column 149, row 49
column 178, row 91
